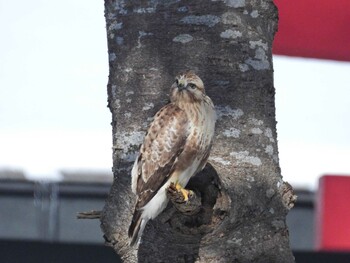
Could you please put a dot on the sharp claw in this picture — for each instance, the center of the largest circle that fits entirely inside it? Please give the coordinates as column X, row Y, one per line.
column 178, row 187
column 186, row 193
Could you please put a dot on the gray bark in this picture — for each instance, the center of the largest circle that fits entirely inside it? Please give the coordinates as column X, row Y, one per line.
column 244, row 201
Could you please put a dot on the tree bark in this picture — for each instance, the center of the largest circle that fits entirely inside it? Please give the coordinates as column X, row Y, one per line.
column 243, row 199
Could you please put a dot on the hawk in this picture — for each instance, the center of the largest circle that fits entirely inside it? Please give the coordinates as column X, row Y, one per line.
column 175, row 148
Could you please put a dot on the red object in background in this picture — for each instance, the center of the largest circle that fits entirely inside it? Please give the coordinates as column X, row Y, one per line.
column 333, row 214
column 313, row 28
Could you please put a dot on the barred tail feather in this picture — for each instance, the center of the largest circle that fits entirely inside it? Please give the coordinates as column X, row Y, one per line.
column 136, row 227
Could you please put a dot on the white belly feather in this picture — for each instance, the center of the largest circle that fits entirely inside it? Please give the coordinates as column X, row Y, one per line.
column 160, row 201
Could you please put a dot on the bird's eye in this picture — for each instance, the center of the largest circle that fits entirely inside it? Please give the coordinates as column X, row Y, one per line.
column 192, row 86
column 176, row 81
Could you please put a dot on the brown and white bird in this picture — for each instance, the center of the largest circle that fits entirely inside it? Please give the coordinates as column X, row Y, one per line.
column 176, row 147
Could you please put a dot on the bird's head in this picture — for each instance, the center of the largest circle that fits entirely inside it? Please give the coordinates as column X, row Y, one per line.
column 188, row 87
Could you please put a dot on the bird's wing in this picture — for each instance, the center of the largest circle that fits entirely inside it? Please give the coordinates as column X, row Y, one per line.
column 164, row 142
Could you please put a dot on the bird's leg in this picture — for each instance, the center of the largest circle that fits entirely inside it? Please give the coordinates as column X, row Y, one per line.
column 186, row 193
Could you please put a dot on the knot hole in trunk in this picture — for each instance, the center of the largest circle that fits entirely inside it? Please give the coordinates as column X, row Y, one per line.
column 206, row 207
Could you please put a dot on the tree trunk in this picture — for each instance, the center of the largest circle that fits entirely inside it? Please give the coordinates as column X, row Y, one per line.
column 244, row 201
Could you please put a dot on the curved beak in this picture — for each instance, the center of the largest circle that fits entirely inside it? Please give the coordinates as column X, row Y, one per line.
column 181, row 84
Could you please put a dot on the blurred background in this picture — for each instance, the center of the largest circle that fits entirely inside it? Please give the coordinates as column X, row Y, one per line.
column 55, row 133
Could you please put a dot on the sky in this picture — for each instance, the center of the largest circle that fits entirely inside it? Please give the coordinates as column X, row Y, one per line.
column 53, row 97
column 313, row 115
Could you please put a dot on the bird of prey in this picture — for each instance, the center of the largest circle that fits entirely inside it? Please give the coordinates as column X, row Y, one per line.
column 175, row 148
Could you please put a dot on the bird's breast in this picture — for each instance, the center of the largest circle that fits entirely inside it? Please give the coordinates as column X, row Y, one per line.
column 201, row 131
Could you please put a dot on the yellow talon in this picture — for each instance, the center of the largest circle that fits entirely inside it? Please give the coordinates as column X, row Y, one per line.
column 178, row 186
column 185, row 193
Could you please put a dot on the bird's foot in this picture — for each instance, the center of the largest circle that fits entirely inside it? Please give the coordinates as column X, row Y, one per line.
column 186, row 193
column 185, row 201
